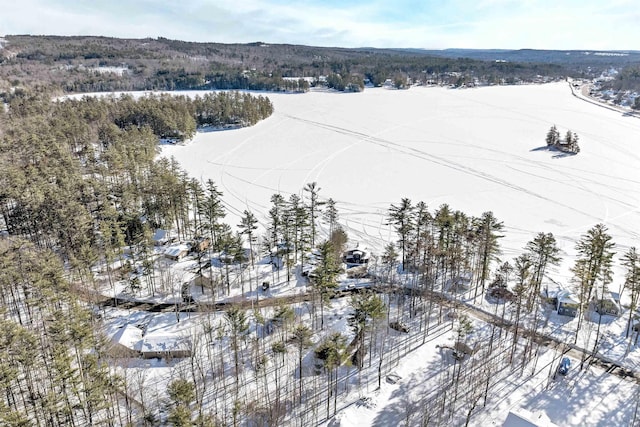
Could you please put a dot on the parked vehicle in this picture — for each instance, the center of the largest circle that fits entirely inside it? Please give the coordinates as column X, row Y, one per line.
column 565, row 364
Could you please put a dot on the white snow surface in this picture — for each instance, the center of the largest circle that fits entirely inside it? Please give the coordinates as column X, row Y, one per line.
column 475, row 149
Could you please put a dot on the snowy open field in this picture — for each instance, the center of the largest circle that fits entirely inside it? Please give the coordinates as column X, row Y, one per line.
column 475, row 149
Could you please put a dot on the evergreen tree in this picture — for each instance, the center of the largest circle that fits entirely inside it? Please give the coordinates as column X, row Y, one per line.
column 181, row 394
column 444, row 222
column 314, row 208
column 238, row 327
column 423, row 223
column 568, row 139
column 631, row 262
column 401, row 217
column 592, row 268
column 326, row 273
column 212, row 211
column 331, row 215
column 389, row 259
column 542, row 251
column 553, row 136
column 488, row 248
column 276, row 226
column 523, row 270
column 331, row 351
column 368, row 308
column 574, row 147
column 301, row 338
column 298, row 220
column 247, row 226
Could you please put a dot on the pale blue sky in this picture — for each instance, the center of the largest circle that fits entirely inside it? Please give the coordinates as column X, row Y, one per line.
column 509, row 24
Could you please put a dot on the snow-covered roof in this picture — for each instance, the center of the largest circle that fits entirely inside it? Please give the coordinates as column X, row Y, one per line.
column 614, row 296
column 128, row 336
column 361, row 252
column 355, row 256
column 551, row 293
column 566, row 297
column 160, row 235
column 524, row 418
column 176, row 250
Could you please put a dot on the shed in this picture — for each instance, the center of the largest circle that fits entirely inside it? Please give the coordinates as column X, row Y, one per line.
column 176, row 252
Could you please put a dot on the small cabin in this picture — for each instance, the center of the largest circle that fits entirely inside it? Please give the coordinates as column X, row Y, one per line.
column 567, row 305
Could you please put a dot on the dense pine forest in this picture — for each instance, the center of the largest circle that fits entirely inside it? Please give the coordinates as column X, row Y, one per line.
column 75, row 169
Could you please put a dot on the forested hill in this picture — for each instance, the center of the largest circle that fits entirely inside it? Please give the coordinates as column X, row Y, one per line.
column 82, row 64
column 572, row 59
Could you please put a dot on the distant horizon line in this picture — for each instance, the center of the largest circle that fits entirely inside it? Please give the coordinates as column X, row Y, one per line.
column 266, row 43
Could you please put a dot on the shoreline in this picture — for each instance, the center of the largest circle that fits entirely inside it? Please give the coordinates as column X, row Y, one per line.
column 579, row 93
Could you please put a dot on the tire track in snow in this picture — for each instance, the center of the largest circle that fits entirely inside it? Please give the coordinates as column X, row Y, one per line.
column 441, row 161
column 417, row 153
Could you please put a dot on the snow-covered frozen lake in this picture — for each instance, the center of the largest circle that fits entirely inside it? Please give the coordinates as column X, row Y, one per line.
column 475, row 149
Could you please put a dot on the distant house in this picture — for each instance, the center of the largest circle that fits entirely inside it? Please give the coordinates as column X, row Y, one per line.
column 355, row 257
column 567, row 305
column 176, row 252
column 165, row 347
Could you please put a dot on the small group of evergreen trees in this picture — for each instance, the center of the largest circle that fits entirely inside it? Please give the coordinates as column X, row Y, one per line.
column 444, row 243
column 347, row 83
column 569, row 144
